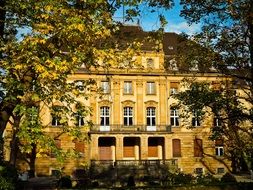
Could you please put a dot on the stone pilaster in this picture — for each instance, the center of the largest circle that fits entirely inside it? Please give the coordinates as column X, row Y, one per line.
column 139, row 110
column 163, row 102
column 116, row 102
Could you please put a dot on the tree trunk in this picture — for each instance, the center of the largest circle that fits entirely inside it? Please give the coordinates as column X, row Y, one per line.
column 2, row 17
column 32, row 161
column 14, row 142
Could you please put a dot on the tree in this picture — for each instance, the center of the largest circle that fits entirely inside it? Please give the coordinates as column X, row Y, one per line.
column 60, row 37
column 224, row 46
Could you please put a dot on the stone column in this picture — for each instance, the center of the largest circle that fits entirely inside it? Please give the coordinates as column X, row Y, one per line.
column 160, row 148
column 94, row 147
column 119, row 147
column 144, row 147
column 137, row 149
column 168, row 147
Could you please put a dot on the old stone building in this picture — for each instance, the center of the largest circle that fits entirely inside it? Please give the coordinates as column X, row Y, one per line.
column 136, row 121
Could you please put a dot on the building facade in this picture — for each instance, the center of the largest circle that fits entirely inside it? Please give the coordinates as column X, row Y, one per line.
column 135, row 120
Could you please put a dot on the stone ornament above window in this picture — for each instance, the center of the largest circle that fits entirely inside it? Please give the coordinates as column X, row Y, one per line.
column 128, row 103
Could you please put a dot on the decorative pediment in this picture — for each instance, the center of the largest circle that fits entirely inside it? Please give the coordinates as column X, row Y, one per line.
column 105, row 103
column 151, row 103
column 128, row 103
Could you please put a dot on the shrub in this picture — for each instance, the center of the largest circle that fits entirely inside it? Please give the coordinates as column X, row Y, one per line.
column 131, row 181
column 65, row 182
column 5, row 184
column 8, row 177
column 228, row 177
column 180, row 179
column 206, row 179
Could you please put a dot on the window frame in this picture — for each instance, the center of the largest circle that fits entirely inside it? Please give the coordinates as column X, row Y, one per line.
column 56, row 116
column 150, row 88
column 80, row 121
column 80, row 148
column 128, row 87
column 151, row 116
column 174, row 152
column 174, row 86
column 219, row 151
column 198, row 148
column 55, row 122
column 128, row 115
column 217, row 121
column 105, row 87
column 195, row 119
column 174, row 116
column 104, row 116
column 80, row 85
column 199, row 171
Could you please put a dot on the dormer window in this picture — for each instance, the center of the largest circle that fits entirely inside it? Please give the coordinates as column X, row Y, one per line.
column 80, row 85
column 194, row 66
column 150, row 63
column 173, row 65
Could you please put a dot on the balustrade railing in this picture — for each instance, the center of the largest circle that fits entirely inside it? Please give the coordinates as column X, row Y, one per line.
column 132, row 128
column 170, row 162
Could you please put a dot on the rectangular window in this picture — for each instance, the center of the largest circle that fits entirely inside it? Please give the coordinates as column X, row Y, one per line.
column 151, row 116
column 216, row 85
column 174, row 88
column 58, row 116
column 198, row 148
column 195, row 119
column 104, row 116
column 174, row 118
column 151, row 88
column 128, row 116
column 80, row 85
column 128, row 88
column 176, row 144
column 219, row 151
column 79, row 120
column 199, row 171
column 79, row 148
column 105, row 87
column 56, row 121
column 217, row 121
column 220, row 170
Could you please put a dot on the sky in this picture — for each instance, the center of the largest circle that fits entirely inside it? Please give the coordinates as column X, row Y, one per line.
column 149, row 21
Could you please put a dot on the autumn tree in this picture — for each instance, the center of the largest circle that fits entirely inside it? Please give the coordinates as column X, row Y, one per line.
column 60, row 37
column 224, row 46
